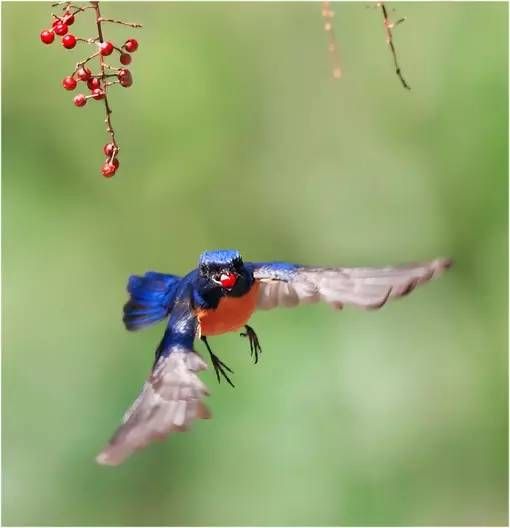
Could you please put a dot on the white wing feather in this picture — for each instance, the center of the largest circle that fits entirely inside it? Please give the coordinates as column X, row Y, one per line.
column 368, row 288
column 170, row 400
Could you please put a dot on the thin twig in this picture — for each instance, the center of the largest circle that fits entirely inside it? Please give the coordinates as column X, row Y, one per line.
column 88, row 41
column 114, row 68
column 84, row 61
column 130, row 24
column 103, row 76
column 328, row 14
column 108, row 111
column 388, row 27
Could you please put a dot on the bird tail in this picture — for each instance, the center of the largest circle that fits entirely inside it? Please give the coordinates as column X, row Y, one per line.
column 150, row 299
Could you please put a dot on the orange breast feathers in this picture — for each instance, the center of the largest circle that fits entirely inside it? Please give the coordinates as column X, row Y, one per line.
column 231, row 314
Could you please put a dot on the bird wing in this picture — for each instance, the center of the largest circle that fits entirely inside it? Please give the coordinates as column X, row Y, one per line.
column 172, row 396
column 289, row 285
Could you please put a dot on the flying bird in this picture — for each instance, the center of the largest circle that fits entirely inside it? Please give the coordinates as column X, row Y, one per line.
column 219, row 296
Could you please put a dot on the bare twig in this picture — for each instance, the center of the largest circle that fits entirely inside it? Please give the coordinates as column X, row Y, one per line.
column 388, row 27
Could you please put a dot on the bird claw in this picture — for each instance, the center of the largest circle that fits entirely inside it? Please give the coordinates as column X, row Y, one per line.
column 255, row 348
column 219, row 366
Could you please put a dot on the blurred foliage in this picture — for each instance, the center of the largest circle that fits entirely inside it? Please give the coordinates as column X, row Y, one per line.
column 234, row 135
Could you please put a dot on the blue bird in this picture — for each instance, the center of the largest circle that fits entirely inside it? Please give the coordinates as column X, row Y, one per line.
column 219, row 296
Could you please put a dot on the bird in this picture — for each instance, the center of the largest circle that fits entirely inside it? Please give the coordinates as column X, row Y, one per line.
column 217, row 297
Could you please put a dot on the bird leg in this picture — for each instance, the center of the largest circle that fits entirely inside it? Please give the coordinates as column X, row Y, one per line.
column 219, row 366
column 255, row 348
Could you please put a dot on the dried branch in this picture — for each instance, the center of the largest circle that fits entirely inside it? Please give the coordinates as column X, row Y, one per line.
column 388, row 28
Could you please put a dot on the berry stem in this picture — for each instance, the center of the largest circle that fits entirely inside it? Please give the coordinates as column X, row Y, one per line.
column 130, row 24
column 88, row 41
column 106, row 75
column 108, row 111
column 69, row 5
column 113, row 68
column 84, row 61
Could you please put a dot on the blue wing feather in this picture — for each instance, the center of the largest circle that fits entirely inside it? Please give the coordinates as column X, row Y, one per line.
column 181, row 329
column 273, row 270
column 151, row 297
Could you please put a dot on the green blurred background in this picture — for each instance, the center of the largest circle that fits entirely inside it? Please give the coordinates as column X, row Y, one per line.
column 235, row 135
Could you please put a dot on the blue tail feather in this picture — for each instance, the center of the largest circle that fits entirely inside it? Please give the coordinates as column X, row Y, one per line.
column 150, row 299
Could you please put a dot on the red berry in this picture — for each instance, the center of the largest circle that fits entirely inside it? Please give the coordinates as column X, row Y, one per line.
column 105, row 48
column 97, row 94
column 84, row 74
column 125, row 58
column 94, row 83
column 47, row 37
column 125, row 78
column 69, row 41
column 108, row 169
column 108, row 149
column 68, row 18
column 228, row 280
column 131, row 45
column 116, row 163
column 69, row 83
column 60, row 28
column 80, row 100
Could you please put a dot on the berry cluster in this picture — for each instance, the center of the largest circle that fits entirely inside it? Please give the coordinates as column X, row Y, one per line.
column 106, row 75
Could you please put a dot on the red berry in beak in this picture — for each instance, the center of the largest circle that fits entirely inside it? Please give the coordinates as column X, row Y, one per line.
column 228, row 280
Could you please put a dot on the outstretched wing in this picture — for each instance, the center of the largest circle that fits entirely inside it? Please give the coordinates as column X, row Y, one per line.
column 171, row 398
column 290, row 285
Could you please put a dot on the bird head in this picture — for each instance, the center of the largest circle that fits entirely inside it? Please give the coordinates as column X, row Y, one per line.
column 222, row 273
